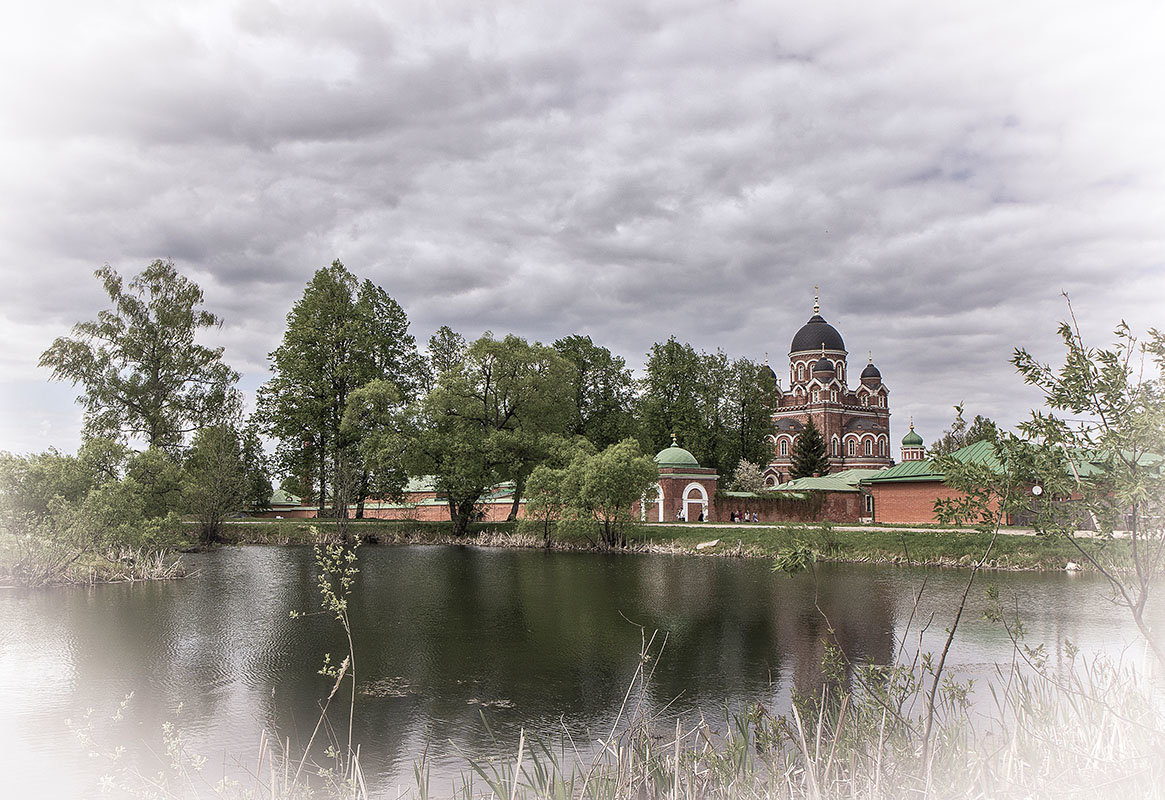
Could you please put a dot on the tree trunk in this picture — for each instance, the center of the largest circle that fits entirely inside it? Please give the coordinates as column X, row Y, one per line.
column 519, row 488
column 321, row 483
column 363, row 494
column 461, row 513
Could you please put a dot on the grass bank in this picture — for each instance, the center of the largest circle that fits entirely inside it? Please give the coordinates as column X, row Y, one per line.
column 922, row 546
column 26, row 561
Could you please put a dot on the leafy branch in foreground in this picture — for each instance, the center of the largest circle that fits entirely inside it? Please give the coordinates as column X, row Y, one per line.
column 1105, row 425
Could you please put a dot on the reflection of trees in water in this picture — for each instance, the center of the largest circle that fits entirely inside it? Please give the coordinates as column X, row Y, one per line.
column 446, row 635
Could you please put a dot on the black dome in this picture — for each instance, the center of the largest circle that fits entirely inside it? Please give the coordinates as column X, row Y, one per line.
column 871, row 371
column 767, row 375
column 823, row 365
column 815, row 333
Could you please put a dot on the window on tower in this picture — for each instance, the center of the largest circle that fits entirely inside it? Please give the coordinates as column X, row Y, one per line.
column 853, row 447
column 869, row 447
column 784, row 447
column 800, row 372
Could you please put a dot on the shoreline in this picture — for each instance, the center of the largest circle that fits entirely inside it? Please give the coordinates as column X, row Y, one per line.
column 1015, row 550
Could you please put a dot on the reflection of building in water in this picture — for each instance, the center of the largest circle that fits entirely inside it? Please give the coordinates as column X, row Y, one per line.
column 854, row 423
column 827, row 611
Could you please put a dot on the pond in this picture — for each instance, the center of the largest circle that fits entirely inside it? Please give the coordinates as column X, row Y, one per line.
column 458, row 649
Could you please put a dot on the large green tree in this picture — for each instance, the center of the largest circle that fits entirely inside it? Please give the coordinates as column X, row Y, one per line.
column 142, row 371
column 341, row 335
column 603, row 391
column 750, row 413
column 720, row 409
column 668, row 402
column 377, row 416
column 490, row 418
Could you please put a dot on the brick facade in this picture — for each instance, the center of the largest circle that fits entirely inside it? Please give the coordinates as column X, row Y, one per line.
column 687, row 491
column 908, row 502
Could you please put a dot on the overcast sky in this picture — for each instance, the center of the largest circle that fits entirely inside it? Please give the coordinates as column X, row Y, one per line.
column 629, row 170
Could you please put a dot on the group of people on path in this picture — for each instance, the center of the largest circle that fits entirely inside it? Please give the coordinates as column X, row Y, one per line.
column 736, row 516
column 742, row 516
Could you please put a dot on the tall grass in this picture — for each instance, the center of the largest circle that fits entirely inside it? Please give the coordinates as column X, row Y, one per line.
column 1094, row 731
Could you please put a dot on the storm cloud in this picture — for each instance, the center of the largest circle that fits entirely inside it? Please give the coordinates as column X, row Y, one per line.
column 629, row 170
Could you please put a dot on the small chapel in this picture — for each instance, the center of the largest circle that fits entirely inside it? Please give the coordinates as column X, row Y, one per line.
column 853, row 422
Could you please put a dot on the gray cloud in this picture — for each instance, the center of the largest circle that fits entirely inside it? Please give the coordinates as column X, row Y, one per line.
column 627, row 170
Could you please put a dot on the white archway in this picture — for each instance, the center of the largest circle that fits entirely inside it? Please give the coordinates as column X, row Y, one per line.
column 694, row 493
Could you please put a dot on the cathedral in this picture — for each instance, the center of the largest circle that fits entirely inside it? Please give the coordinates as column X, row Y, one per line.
column 854, row 423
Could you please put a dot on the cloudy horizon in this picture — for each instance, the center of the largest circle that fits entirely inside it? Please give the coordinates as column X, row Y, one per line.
column 627, row 170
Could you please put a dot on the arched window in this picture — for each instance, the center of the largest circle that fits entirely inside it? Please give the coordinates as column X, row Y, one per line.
column 816, row 395
column 881, row 401
column 841, row 371
column 800, row 372
column 833, row 395
column 853, row 447
column 784, row 447
column 882, row 447
column 869, row 447
column 836, row 447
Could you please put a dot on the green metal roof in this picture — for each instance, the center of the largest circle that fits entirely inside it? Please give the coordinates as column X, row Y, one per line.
column 978, row 453
column 844, row 481
column 282, row 498
column 675, row 456
column 982, row 453
column 907, row 471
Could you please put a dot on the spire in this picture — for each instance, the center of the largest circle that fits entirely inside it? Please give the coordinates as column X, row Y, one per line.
column 911, row 422
column 674, row 443
column 816, row 304
column 766, row 358
column 871, row 355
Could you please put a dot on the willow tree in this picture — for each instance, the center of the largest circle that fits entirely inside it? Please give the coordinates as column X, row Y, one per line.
column 490, row 418
column 142, row 371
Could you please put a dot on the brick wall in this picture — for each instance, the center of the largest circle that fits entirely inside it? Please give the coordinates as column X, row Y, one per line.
column 908, row 502
column 835, row 507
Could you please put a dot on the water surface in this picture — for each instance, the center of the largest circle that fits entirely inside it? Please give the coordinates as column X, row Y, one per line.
column 457, row 649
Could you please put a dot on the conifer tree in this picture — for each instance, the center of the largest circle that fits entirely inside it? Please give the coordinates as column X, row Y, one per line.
column 809, row 457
